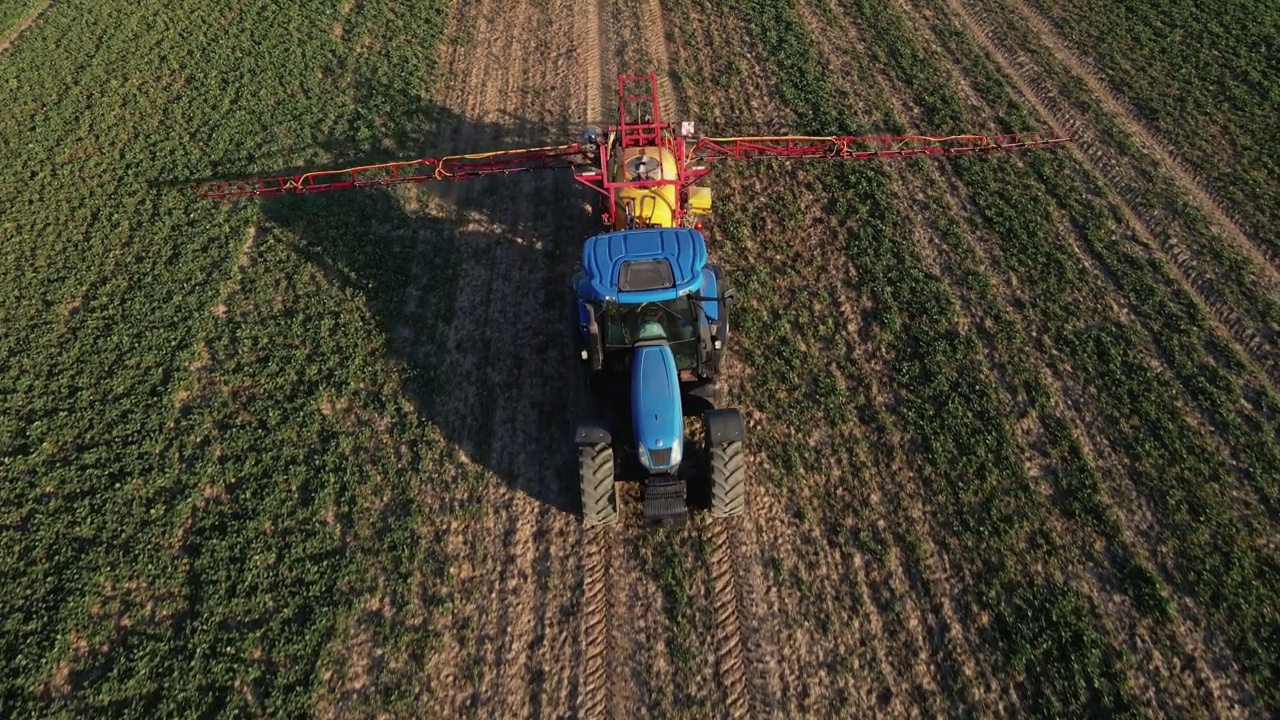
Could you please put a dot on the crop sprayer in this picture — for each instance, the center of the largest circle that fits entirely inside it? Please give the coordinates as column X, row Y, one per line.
column 652, row 312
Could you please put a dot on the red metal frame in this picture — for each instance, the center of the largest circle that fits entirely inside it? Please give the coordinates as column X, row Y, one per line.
column 456, row 167
column 639, row 125
column 644, row 128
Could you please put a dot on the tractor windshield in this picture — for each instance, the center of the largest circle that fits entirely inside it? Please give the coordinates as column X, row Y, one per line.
column 671, row 320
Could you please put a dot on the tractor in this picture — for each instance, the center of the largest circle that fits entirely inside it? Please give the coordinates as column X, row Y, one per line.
column 652, row 313
column 653, row 319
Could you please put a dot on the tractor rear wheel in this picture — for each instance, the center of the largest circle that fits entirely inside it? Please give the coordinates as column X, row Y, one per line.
column 599, row 496
column 728, row 479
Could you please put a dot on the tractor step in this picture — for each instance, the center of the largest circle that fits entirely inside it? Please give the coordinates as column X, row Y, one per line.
column 664, row 501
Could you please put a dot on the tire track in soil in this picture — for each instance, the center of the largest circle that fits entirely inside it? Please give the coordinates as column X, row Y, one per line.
column 598, row 548
column 748, row 564
column 509, row 646
column 640, row 661
column 1124, row 113
column 592, row 61
column 639, row 47
column 656, row 41
column 1237, row 330
column 602, row 657
column 456, row 669
column 747, row 633
column 639, row 664
column 32, row 17
column 734, row 559
column 1136, row 524
column 795, row 682
column 728, row 631
column 1226, row 323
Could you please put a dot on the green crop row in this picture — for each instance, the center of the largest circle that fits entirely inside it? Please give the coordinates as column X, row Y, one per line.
column 207, row 465
column 14, row 13
column 1220, row 267
column 1172, row 463
column 668, row 558
column 954, row 419
column 804, row 382
column 1203, row 76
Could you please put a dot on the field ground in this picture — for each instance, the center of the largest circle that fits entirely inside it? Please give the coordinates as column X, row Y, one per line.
column 1014, row 421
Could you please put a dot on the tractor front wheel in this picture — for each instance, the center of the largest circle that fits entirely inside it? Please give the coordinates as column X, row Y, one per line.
column 599, row 496
column 728, row 478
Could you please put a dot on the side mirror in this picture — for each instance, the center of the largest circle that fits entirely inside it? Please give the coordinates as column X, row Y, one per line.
column 730, row 297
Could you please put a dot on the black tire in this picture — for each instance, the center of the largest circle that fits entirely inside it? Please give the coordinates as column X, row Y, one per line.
column 728, row 466
column 599, row 496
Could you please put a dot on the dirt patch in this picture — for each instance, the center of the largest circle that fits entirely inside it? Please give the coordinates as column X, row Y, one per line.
column 25, row 24
column 132, row 605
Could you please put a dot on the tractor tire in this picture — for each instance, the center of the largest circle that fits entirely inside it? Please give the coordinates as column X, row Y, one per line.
column 599, row 495
column 728, row 463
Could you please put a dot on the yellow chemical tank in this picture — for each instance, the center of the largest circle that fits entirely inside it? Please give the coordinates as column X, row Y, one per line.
column 653, row 206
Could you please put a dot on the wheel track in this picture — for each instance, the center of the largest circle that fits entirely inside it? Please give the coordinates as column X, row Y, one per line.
column 929, row 618
column 1221, row 318
column 1229, row 323
column 656, row 41
column 592, row 59
column 510, row 645
column 1187, row 630
column 730, row 658
column 1075, row 575
column 1118, row 488
column 1120, row 303
column 608, row 667
column 747, row 627
column 597, row 552
column 762, row 665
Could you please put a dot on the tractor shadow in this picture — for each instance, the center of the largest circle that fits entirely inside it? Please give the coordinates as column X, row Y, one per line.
column 469, row 284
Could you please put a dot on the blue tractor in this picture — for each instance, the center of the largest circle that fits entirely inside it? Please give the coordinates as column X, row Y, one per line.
column 654, row 326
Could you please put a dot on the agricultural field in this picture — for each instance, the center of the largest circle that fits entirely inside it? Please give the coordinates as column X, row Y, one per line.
column 1014, row 420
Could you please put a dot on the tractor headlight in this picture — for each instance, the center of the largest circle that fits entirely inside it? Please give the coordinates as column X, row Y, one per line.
column 676, row 451
column 662, row 458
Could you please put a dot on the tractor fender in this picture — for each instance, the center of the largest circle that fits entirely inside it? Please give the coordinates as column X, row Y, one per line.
column 724, row 426
column 592, row 434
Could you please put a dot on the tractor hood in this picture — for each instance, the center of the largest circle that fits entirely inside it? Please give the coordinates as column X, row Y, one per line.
column 655, row 407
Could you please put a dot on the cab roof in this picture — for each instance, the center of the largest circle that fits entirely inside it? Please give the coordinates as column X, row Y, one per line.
column 636, row 266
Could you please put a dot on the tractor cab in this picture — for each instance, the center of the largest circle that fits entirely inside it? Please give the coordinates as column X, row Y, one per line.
column 646, row 286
